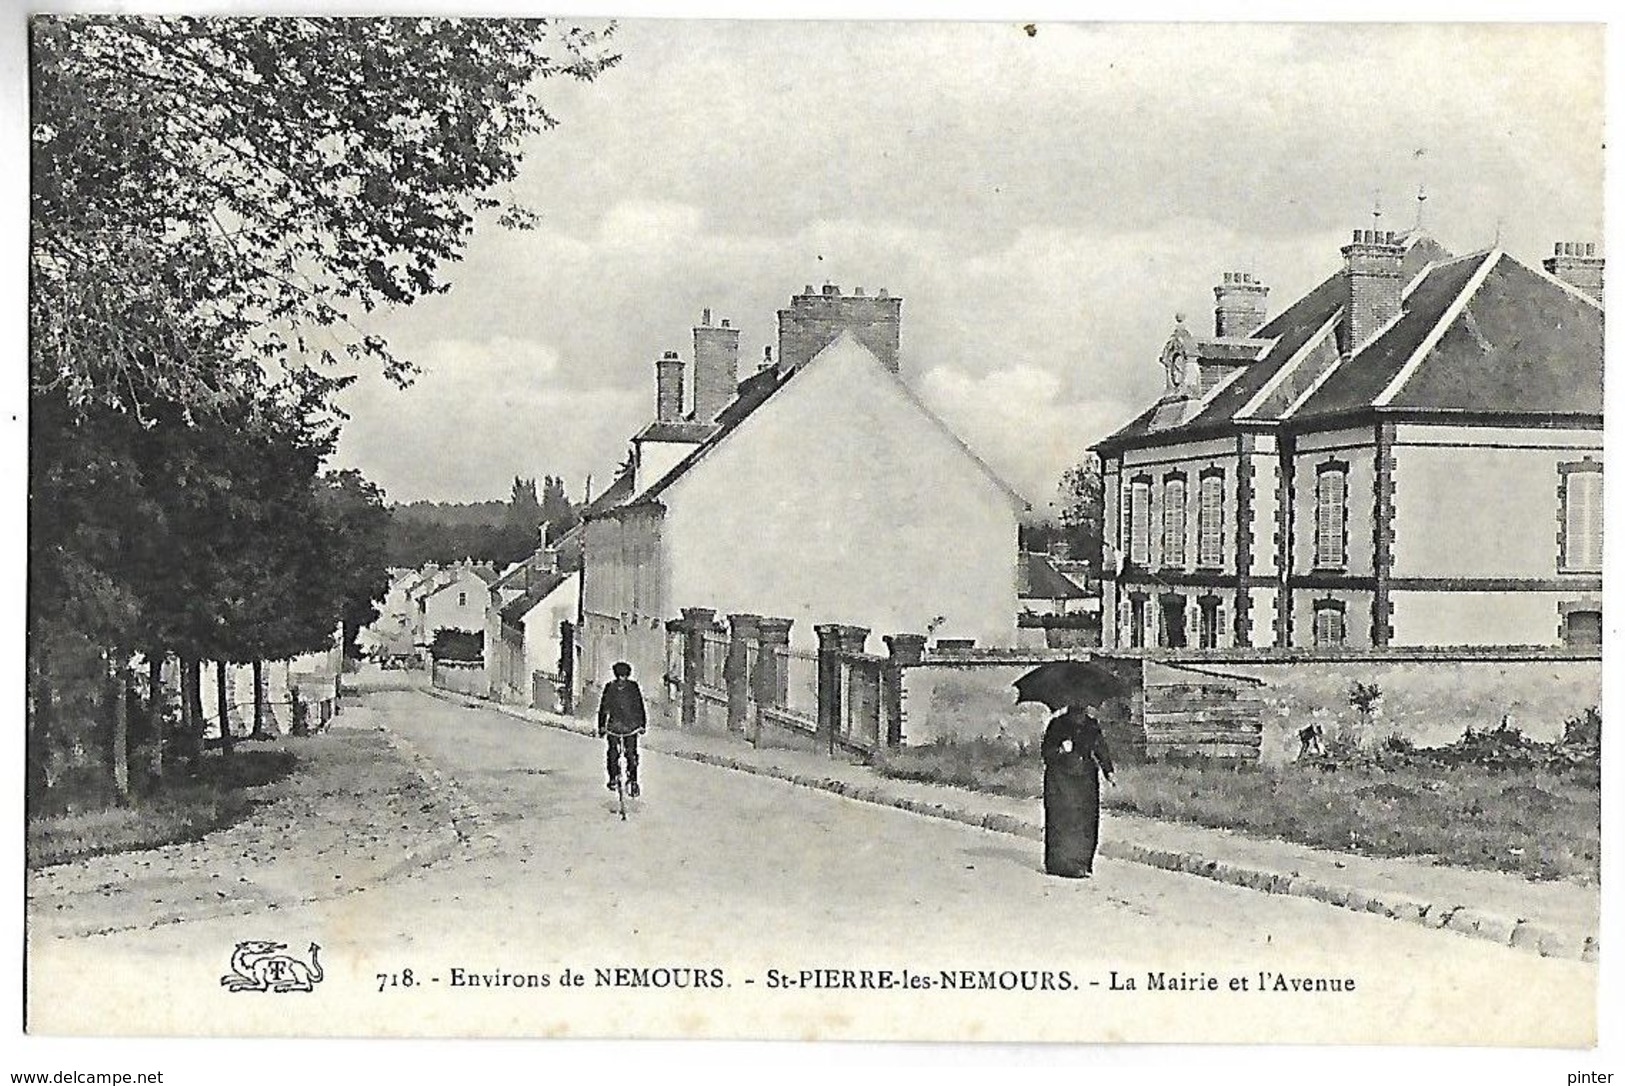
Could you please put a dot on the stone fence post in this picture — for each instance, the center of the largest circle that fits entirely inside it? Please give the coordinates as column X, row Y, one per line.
column 834, row 641
column 742, row 632
column 769, row 677
column 906, row 650
column 695, row 620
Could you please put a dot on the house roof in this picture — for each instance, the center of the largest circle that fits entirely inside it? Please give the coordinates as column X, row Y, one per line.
column 760, row 387
column 517, row 609
column 1479, row 333
column 1038, row 579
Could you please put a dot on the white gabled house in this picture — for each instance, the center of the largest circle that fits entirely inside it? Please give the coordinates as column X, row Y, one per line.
column 818, row 489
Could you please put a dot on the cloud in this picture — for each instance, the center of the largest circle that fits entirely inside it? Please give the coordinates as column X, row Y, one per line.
column 1043, row 206
column 1017, row 420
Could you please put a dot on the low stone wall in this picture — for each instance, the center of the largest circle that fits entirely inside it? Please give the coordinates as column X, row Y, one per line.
column 461, row 678
column 1428, row 701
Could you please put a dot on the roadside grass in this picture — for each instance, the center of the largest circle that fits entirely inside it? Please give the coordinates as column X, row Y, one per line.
column 87, row 822
column 1541, row 823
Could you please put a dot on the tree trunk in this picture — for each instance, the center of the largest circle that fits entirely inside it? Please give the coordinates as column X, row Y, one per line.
column 155, row 713
column 39, row 737
column 220, row 700
column 259, row 699
column 192, row 709
column 118, row 747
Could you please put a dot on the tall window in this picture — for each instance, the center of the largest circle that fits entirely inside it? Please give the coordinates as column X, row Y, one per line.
column 1208, row 627
column 1329, row 627
column 1210, row 521
column 1173, row 521
column 462, row 599
column 1331, row 516
column 1136, row 622
column 1580, row 486
column 1139, row 522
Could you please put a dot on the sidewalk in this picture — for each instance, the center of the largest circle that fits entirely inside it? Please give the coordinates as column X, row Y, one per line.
column 1555, row 919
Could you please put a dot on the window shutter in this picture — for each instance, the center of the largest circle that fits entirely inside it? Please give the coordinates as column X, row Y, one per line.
column 1173, row 522
column 1210, row 522
column 1582, row 528
column 1330, row 502
column 1139, row 524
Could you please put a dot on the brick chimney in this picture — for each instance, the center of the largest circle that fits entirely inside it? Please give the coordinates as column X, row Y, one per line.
column 1578, row 265
column 814, row 320
column 1371, row 275
column 1239, row 305
column 716, row 367
column 669, row 387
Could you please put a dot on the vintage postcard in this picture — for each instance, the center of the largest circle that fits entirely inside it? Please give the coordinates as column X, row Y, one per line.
column 846, row 530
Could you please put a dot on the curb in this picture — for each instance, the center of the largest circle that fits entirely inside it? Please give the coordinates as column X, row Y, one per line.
column 1513, row 933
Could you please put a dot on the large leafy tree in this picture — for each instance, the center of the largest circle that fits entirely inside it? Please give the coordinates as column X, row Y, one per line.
column 215, row 196
column 1082, row 507
column 357, row 524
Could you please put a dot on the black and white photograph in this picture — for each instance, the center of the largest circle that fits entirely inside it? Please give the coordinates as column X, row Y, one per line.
column 858, row 529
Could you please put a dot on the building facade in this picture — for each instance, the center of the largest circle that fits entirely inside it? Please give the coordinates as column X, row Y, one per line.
column 1410, row 455
column 821, row 491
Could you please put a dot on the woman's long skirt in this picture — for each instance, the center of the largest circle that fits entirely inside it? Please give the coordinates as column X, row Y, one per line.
column 1071, row 821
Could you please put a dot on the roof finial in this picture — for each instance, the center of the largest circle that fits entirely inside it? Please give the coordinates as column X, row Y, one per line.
column 1376, row 208
column 1419, row 155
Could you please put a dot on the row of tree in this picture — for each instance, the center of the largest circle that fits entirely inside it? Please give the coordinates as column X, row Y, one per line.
column 215, row 206
column 491, row 531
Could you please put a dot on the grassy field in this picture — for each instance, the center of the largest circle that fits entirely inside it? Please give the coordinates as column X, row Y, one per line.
column 1539, row 822
column 223, row 791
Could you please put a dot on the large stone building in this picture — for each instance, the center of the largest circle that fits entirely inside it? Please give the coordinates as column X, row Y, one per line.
column 1408, row 455
column 816, row 489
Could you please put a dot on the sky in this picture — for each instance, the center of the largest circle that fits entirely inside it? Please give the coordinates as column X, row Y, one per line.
column 1044, row 204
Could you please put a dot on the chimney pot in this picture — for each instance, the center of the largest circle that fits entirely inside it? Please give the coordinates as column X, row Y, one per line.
column 882, row 293
column 705, row 317
column 857, row 292
column 669, row 388
column 1578, row 265
column 807, row 290
column 725, row 322
column 831, row 290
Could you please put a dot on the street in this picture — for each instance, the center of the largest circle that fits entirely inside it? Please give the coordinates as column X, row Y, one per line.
column 721, row 889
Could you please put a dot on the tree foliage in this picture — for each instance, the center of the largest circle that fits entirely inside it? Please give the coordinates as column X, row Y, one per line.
column 1082, row 505
column 215, row 196
column 215, row 205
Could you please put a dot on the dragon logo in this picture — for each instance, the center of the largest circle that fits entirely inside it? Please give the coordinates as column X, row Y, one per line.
column 259, row 965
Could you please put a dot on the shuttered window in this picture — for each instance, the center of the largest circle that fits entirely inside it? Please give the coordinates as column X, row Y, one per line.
column 1331, row 518
column 1173, row 521
column 1210, row 522
column 1328, row 624
column 1582, row 518
column 1139, row 522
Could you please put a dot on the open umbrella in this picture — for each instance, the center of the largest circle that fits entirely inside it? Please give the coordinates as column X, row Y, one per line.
column 1060, row 684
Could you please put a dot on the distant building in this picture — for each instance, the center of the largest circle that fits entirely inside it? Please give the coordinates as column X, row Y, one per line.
column 1408, row 455
column 817, row 488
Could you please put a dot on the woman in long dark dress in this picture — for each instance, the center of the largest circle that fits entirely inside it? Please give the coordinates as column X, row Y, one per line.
column 1075, row 755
